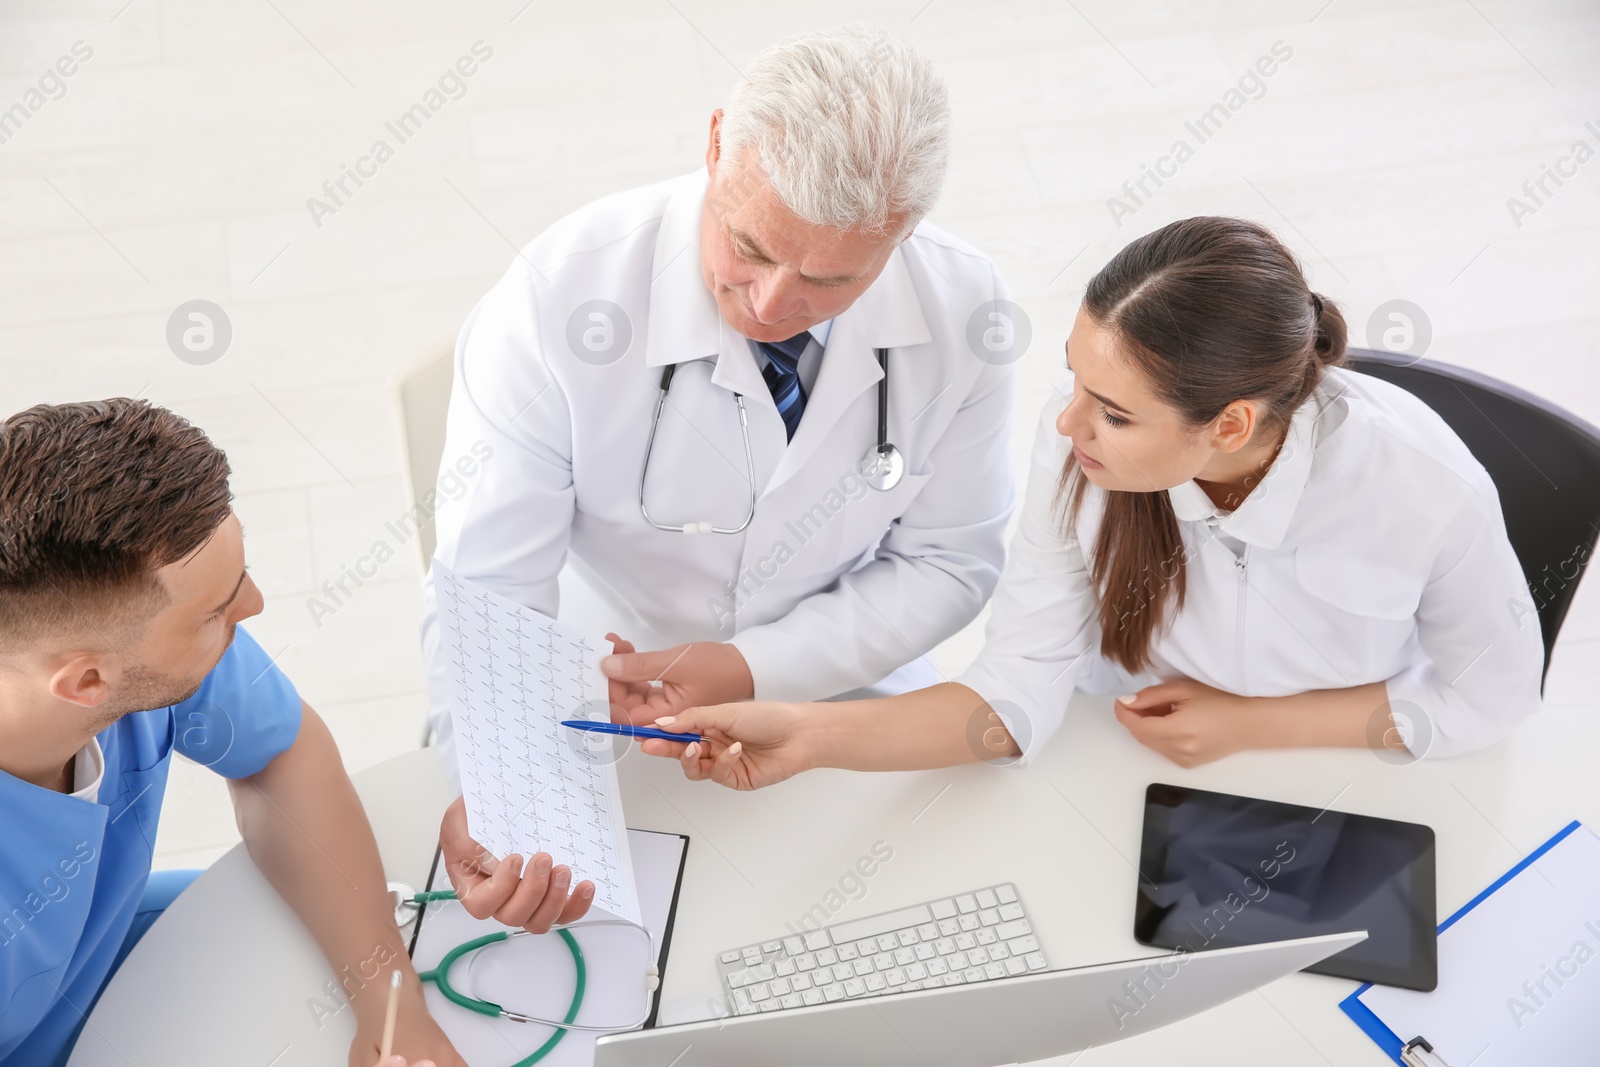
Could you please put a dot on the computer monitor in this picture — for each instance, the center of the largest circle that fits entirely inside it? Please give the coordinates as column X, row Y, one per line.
column 1010, row 1020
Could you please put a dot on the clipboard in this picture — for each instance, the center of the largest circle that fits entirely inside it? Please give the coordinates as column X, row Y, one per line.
column 659, row 861
column 1418, row 1050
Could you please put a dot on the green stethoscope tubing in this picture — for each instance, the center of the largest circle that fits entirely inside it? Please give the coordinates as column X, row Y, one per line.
column 440, row 977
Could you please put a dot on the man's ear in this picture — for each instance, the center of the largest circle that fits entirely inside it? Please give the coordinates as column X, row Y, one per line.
column 81, row 680
column 1236, row 426
column 714, row 142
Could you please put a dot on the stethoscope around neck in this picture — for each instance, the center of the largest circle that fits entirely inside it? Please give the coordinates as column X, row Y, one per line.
column 881, row 467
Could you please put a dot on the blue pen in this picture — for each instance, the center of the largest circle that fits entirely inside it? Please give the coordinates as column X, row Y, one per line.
column 640, row 732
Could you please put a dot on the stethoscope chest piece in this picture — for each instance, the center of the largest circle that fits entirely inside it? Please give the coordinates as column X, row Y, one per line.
column 883, row 467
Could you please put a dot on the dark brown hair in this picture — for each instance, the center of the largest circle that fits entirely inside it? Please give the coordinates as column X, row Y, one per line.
column 93, row 498
column 1209, row 310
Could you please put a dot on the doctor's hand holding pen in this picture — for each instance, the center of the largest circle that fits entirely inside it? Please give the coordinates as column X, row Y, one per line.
column 533, row 895
column 647, row 685
column 752, row 744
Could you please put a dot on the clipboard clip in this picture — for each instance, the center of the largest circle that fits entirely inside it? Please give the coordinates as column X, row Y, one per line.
column 1419, row 1053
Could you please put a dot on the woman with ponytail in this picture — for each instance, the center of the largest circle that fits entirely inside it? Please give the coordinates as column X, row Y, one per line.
column 1260, row 548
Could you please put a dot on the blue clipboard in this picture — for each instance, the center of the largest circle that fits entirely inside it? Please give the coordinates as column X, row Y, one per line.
column 1363, row 1016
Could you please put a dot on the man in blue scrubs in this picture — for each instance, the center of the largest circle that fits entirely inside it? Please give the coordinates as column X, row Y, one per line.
column 122, row 584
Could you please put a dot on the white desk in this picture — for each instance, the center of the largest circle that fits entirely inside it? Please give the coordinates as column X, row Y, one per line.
column 226, row 975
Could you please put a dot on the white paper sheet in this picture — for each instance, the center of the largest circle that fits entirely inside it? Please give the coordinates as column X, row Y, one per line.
column 531, row 784
column 534, row 975
column 1519, row 975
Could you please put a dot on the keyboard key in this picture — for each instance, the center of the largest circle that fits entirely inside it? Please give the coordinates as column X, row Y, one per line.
column 989, row 916
column 995, row 970
column 986, row 898
column 927, row 932
column 887, row 942
column 827, row 958
column 880, row 924
column 966, row 903
column 895, row 977
column 855, row 987
column 800, row 982
column 1013, row 929
column 986, row 936
column 805, row 961
column 759, row 993
column 882, row 961
column 949, row 927
column 916, row 972
column 780, row 986
column 943, row 909
column 938, row 966
column 812, row 996
column 876, row 983
column 1007, row 893
column 909, row 986
column 903, row 956
column 973, row 974
column 842, row 971
column 907, row 937
column 731, row 956
column 862, row 967
column 966, row 941
column 769, row 947
column 945, row 946
column 847, row 953
column 1010, row 912
column 784, row 967
column 769, row 1005
column 752, row 955
column 977, row 957
column 792, row 1000
column 999, row 951
column 741, row 1002
column 816, row 939
column 1015, row 966
column 1035, row 961
column 793, row 946
column 738, row 979
column 1021, row 946
column 833, row 992
column 762, row 972
column 954, row 978
column 969, row 922
column 925, row 952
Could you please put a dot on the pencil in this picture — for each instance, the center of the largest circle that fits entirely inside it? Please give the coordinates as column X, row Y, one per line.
column 388, row 1019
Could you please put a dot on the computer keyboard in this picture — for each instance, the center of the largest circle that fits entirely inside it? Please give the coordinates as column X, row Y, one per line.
column 973, row 937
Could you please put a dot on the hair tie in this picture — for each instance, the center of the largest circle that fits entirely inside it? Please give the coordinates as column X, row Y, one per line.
column 1316, row 305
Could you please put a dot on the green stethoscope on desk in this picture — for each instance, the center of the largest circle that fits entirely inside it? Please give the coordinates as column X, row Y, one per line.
column 408, row 904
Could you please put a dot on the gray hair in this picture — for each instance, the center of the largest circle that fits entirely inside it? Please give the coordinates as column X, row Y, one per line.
column 850, row 126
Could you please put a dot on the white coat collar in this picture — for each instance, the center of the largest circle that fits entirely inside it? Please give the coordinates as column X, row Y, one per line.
column 1263, row 519
column 685, row 324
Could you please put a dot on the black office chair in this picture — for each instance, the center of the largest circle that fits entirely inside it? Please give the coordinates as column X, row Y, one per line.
column 1544, row 461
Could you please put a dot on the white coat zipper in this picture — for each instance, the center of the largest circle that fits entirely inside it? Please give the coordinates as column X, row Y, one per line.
column 1239, row 566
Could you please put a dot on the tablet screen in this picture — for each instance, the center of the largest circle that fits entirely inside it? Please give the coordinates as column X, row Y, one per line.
column 1216, row 871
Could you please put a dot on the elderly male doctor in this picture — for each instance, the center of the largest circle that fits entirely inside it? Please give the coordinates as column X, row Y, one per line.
column 738, row 314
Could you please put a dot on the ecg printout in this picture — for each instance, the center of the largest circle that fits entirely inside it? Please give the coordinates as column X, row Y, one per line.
column 515, row 674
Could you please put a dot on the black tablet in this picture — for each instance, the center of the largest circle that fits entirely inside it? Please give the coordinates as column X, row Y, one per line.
column 1216, row 871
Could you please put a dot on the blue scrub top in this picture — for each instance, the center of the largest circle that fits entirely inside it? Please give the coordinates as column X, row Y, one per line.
column 71, row 872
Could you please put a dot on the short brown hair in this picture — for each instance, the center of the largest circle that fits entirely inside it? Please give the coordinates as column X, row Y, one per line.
column 94, row 497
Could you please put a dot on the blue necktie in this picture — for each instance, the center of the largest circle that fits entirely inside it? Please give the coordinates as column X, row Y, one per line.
column 783, row 377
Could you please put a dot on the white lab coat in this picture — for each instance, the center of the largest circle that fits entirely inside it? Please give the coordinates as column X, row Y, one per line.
column 834, row 585
column 1373, row 551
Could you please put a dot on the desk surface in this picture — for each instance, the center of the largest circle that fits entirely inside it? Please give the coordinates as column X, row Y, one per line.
column 229, row 975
